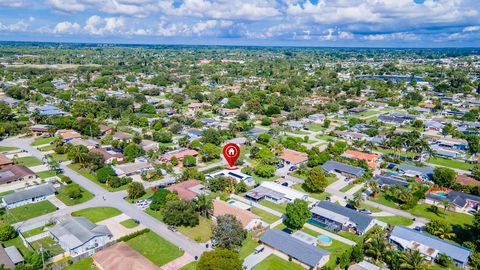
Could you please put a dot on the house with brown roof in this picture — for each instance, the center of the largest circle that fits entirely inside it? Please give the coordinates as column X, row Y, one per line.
column 68, row 134
column 371, row 159
column 87, row 143
column 122, row 257
column 122, row 136
column 148, row 145
column 105, row 129
column 248, row 219
column 179, row 154
column 293, row 157
column 5, row 161
column 187, row 190
column 14, row 173
column 39, row 128
column 108, row 155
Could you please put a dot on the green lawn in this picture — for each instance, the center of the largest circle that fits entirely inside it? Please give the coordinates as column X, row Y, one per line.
column 318, row 196
column 200, row 233
column 33, row 232
column 279, row 207
column 92, row 177
column 47, row 148
column 62, row 196
column 18, row 243
column 148, row 193
column 337, row 248
column 96, row 214
column 59, row 157
column 155, row 248
column 48, row 244
column 390, row 151
column 365, row 113
column 45, row 174
column 190, row 266
column 248, row 246
column 396, row 220
column 6, row 148
column 347, row 187
column 28, row 211
column 456, row 164
column 266, row 216
column 315, row 127
column 326, row 137
column 273, row 262
column 41, row 140
column 82, row 265
column 28, row 161
column 129, row 223
column 156, row 214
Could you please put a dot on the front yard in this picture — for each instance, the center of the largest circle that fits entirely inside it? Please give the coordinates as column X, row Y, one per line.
column 266, row 216
column 63, row 195
column 42, row 141
column 28, row 211
column 28, row 161
column 155, row 248
column 273, row 262
column 456, row 164
column 200, row 233
column 97, row 214
column 92, row 177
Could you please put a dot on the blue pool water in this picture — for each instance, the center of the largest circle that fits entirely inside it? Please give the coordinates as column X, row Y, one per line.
column 231, row 202
column 324, row 239
column 441, row 193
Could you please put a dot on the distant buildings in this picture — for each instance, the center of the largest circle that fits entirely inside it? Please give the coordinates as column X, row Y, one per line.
column 49, row 110
column 179, row 154
column 423, row 173
column 371, row 159
column 68, row 134
column 29, row 195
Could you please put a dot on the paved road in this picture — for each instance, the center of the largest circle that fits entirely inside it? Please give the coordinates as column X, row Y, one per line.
column 105, row 198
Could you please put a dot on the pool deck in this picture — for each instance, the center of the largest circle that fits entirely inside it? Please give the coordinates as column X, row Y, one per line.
column 329, row 234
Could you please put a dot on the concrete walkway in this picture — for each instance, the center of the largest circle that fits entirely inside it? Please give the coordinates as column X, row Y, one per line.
column 254, row 259
column 329, row 234
column 178, row 262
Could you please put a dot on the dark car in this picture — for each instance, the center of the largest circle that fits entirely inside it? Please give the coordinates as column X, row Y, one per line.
column 351, row 206
column 172, row 228
column 293, row 168
column 281, row 165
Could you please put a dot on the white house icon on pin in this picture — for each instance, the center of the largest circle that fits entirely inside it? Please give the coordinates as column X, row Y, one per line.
column 231, row 151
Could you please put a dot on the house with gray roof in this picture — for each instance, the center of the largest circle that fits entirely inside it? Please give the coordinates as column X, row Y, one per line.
column 29, row 195
column 387, row 180
column 78, row 235
column 429, row 246
column 461, row 202
column 337, row 218
column 307, row 255
column 10, row 257
column 425, row 173
column 342, row 168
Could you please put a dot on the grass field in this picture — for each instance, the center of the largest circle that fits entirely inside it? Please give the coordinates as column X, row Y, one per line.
column 62, row 196
column 273, row 262
column 200, row 233
column 365, row 113
column 48, row 244
column 83, row 264
column 326, row 137
column 96, row 214
column 28, row 211
column 45, row 174
column 396, row 220
column 129, row 223
column 41, row 141
column 278, row 207
column 347, row 187
column 248, row 246
column 28, row 161
column 315, row 127
column 155, row 248
column 266, row 216
column 456, row 164
column 35, row 231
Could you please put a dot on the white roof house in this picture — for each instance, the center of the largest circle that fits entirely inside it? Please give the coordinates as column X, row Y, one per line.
column 235, row 174
column 289, row 194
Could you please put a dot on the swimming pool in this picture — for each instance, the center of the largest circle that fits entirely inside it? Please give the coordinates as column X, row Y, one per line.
column 441, row 193
column 324, row 240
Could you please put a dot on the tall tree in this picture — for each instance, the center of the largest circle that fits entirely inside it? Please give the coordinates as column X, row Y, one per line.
column 228, row 233
column 297, row 214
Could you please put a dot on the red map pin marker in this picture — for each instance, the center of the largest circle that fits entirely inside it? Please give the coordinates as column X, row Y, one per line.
column 231, row 152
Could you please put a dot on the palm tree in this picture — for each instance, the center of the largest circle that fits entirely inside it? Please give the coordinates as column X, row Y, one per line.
column 412, row 260
column 204, row 204
column 374, row 188
column 358, row 199
column 446, row 205
column 376, row 247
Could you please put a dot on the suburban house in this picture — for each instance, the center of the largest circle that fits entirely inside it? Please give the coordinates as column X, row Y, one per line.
column 188, row 190
column 342, row 168
column 421, row 173
column 39, row 128
column 5, row 161
column 68, row 134
column 148, row 145
column 292, row 124
column 49, row 110
column 194, row 133
column 447, row 152
column 364, row 265
column 87, row 143
column 29, row 195
column 302, row 253
column 122, row 136
column 248, row 219
column 105, row 129
column 275, row 193
column 316, row 117
column 337, row 218
column 255, row 132
column 235, row 174
column 461, row 202
column 371, row 159
column 14, row 173
column 396, row 119
column 128, row 169
column 387, row 180
column 109, row 156
column 122, row 257
column 429, row 246
column 293, row 157
column 238, row 141
column 353, row 136
column 10, row 257
column 179, row 154
column 453, row 143
column 78, row 235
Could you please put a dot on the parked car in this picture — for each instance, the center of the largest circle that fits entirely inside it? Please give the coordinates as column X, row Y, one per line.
column 259, row 249
column 293, row 168
column 172, row 228
column 281, row 165
column 473, row 212
column 351, row 206
column 365, row 211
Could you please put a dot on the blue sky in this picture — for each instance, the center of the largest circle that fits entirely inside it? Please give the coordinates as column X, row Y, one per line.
column 359, row 23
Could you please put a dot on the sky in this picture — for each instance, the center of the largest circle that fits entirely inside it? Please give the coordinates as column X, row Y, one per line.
column 329, row 23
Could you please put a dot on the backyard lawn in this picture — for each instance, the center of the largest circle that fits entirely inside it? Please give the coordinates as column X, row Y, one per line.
column 28, row 211
column 45, row 174
column 155, row 248
column 48, row 244
column 266, row 216
column 41, row 141
column 248, row 246
column 28, row 161
column 129, row 223
column 63, row 196
column 456, row 164
column 396, row 220
column 200, row 233
column 81, row 265
column 96, row 214
column 273, row 262
column 278, row 207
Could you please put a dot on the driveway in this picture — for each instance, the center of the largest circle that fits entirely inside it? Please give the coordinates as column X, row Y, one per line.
column 117, row 229
column 254, row 259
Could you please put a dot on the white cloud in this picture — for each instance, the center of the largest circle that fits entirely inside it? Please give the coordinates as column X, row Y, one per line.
column 12, row 3
column 345, row 35
column 472, row 28
column 67, row 28
column 97, row 25
column 20, row 26
column 68, row 5
column 393, row 36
